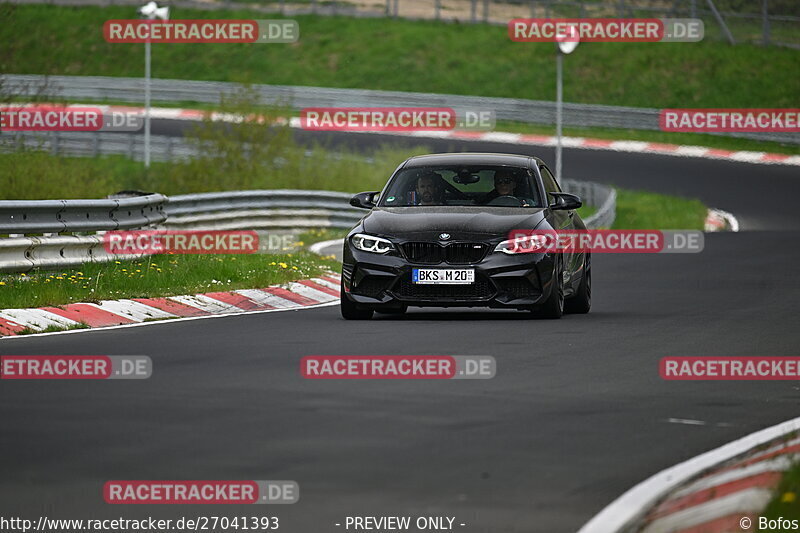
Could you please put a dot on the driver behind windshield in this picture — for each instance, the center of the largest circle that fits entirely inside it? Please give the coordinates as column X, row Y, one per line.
column 428, row 190
column 505, row 183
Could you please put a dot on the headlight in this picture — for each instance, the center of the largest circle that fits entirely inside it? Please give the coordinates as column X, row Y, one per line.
column 526, row 244
column 370, row 243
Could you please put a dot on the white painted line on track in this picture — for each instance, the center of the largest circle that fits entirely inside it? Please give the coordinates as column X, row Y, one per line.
column 317, row 247
column 686, row 421
column 632, row 504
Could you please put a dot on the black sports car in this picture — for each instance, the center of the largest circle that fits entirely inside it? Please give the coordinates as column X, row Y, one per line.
column 440, row 234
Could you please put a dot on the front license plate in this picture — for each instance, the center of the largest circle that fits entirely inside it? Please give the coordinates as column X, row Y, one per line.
column 443, row 276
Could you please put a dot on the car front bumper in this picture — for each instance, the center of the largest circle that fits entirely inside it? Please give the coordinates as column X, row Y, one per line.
column 520, row 281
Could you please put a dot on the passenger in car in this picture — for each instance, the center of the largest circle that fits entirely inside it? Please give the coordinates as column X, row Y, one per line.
column 505, row 183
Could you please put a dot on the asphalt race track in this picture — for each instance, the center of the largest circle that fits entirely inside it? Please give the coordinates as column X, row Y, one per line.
column 576, row 415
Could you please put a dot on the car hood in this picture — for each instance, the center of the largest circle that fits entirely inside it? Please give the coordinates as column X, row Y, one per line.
column 460, row 222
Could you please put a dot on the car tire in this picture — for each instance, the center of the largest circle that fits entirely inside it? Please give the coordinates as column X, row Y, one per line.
column 582, row 301
column 553, row 307
column 351, row 311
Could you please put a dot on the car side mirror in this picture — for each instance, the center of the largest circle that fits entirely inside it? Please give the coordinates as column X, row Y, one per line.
column 364, row 200
column 565, row 201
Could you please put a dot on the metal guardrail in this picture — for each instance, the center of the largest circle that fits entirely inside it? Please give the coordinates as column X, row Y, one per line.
column 163, row 148
column 259, row 209
column 57, row 216
column 262, row 209
column 298, row 97
column 601, row 197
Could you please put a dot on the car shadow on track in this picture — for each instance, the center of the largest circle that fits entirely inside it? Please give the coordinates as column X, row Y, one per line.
column 499, row 314
column 460, row 314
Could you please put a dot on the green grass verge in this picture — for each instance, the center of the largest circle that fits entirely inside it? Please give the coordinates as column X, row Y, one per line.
column 647, row 210
column 405, row 55
column 95, row 177
column 322, row 234
column 786, row 502
column 162, row 275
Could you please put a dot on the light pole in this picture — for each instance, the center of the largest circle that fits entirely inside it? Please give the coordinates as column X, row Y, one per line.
column 150, row 12
column 566, row 44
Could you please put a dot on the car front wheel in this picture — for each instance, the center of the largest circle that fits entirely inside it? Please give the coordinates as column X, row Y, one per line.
column 582, row 301
column 351, row 311
column 553, row 307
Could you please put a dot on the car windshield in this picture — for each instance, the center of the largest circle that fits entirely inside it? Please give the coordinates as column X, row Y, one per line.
column 483, row 186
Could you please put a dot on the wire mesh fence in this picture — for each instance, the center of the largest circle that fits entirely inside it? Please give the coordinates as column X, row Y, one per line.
column 768, row 22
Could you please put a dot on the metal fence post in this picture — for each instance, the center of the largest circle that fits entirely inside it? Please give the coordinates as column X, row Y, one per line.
column 473, row 11
column 765, row 22
column 437, row 6
column 486, row 10
column 721, row 22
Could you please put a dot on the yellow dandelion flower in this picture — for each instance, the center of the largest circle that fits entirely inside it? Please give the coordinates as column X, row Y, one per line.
column 788, row 497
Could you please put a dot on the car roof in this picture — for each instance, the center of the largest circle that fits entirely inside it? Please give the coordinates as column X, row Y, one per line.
column 469, row 158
